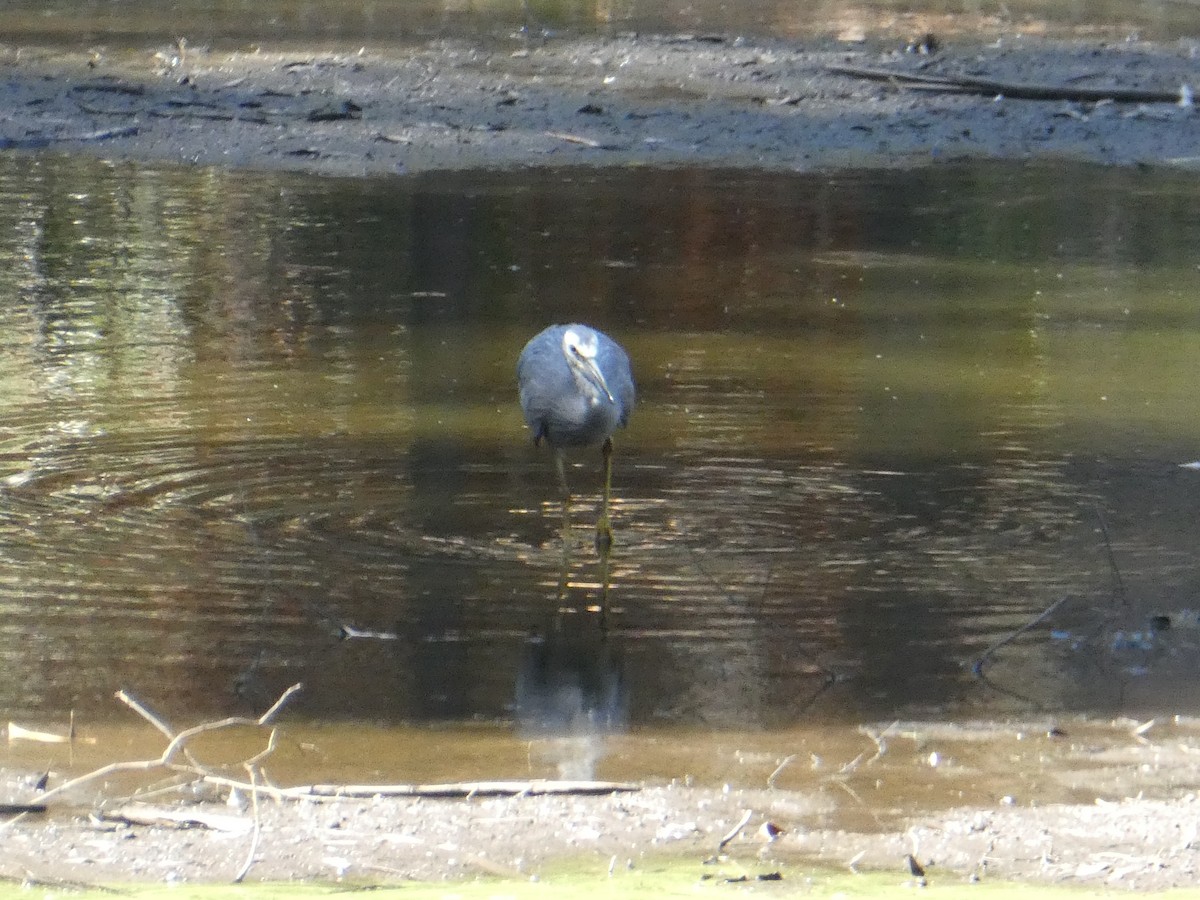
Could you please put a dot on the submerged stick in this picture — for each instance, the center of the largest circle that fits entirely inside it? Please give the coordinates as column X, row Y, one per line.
column 977, row 668
column 1118, row 581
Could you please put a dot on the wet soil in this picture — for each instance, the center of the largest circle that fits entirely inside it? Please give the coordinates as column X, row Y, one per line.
column 647, row 101
column 657, row 101
column 1086, row 803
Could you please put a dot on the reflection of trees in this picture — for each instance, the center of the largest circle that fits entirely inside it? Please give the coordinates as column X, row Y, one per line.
column 134, row 321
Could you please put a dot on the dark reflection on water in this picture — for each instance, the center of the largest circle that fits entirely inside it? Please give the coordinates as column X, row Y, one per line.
column 257, row 430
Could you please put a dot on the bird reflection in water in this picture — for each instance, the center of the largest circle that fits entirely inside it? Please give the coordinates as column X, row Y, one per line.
column 571, row 689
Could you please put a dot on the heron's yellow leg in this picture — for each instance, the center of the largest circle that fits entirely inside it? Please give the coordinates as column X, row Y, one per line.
column 604, row 535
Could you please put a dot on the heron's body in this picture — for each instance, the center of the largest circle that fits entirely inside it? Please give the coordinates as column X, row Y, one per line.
column 562, row 399
column 576, row 389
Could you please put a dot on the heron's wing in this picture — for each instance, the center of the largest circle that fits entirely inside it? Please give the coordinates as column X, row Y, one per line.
column 543, row 379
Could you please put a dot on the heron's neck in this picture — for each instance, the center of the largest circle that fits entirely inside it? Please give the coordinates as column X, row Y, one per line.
column 587, row 385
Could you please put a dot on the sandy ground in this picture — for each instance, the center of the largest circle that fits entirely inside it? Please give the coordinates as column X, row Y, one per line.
column 1134, row 844
column 621, row 101
column 1093, row 804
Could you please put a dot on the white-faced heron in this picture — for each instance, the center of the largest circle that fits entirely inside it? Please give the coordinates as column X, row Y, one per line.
column 576, row 389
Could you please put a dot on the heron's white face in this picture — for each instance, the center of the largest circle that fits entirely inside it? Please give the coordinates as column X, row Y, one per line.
column 580, row 351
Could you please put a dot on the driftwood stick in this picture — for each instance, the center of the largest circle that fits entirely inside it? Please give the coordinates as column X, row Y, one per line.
column 880, row 739
column 1015, row 90
column 787, row 761
column 142, row 710
column 172, row 817
column 470, row 789
column 138, row 707
column 574, row 139
column 266, row 790
column 452, row 790
column 262, row 754
column 103, row 134
column 187, row 734
column 270, row 714
column 138, row 765
column 979, row 664
column 176, row 745
column 736, row 829
column 1118, row 581
column 256, row 834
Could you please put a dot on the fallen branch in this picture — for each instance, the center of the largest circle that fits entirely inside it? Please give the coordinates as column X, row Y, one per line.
column 787, row 761
column 735, row 830
column 967, row 84
column 582, row 141
column 111, row 87
column 171, row 817
column 252, row 118
column 21, row 809
column 137, row 706
column 448, row 791
column 103, row 134
column 1118, row 582
column 879, row 739
column 176, row 746
column 21, row 733
column 256, row 830
column 979, row 664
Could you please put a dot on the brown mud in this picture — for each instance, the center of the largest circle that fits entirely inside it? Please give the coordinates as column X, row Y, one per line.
column 649, row 101
column 1079, row 802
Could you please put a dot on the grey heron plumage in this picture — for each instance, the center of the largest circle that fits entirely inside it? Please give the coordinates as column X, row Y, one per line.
column 576, row 388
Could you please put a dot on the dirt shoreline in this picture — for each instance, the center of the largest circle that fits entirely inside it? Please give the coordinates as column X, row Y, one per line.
column 648, row 101
column 1137, row 844
column 1128, row 818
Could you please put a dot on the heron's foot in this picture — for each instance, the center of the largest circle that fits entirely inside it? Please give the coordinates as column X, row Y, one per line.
column 604, row 537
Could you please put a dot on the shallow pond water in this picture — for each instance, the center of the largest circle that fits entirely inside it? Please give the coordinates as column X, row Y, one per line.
column 261, row 429
column 386, row 22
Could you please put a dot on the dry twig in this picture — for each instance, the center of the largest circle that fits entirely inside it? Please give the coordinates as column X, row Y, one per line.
column 736, row 830
column 177, row 744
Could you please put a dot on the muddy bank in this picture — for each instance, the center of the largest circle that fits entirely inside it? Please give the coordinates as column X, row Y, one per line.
column 1130, row 819
column 1140, row 844
column 670, row 101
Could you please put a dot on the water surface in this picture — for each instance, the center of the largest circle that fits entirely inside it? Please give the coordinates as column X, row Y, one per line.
column 262, row 429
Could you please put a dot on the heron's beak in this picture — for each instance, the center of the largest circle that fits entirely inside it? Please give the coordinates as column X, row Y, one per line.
column 594, row 371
